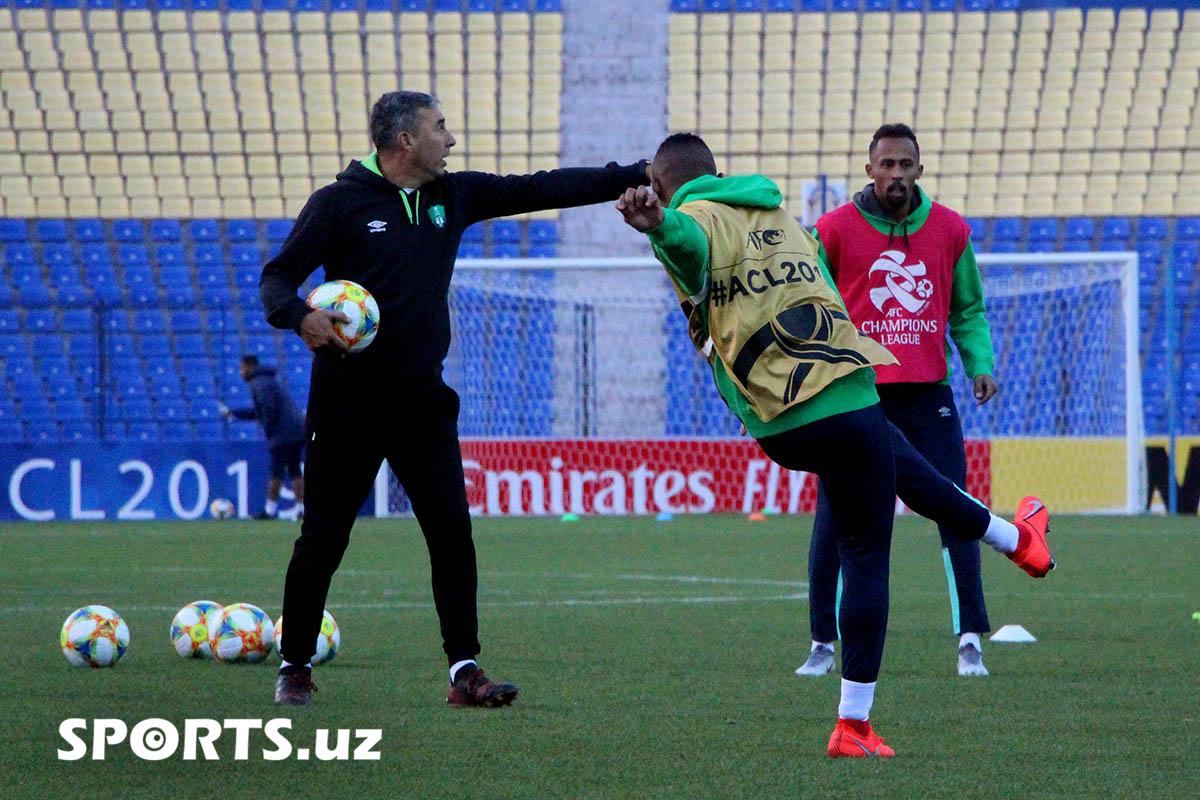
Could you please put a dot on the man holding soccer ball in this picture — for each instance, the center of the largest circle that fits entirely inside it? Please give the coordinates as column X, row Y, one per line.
column 392, row 223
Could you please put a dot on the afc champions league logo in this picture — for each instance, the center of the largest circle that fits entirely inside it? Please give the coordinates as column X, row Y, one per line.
column 907, row 285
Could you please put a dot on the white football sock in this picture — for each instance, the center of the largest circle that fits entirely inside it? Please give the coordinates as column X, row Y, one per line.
column 857, row 699
column 1002, row 535
column 271, row 506
column 826, row 645
column 970, row 639
column 457, row 665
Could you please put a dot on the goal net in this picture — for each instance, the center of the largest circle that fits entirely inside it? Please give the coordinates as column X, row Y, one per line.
column 581, row 393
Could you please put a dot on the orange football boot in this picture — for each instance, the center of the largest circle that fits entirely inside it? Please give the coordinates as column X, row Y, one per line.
column 1033, row 523
column 853, row 738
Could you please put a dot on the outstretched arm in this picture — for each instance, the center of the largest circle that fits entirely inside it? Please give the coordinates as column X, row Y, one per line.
column 679, row 242
column 485, row 196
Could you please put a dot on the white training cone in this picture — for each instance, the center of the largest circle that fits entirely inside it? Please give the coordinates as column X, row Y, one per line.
column 1012, row 633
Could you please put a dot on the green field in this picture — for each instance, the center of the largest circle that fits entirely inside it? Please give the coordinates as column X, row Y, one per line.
column 655, row 661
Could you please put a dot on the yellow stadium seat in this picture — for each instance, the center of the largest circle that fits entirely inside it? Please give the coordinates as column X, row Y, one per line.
column 10, row 164
column 64, row 19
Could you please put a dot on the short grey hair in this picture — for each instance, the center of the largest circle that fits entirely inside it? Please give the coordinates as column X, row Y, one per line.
column 395, row 112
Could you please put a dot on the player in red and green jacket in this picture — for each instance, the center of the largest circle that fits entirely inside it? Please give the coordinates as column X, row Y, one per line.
column 907, row 273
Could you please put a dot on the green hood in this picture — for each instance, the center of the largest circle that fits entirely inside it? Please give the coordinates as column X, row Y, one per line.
column 756, row 191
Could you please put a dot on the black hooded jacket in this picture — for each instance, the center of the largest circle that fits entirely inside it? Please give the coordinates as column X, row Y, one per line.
column 361, row 230
column 281, row 421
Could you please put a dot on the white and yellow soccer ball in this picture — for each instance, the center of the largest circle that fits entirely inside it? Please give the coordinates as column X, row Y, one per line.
column 241, row 632
column 221, row 509
column 356, row 303
column 189, row 629
column 329, row 639
column 94, row 636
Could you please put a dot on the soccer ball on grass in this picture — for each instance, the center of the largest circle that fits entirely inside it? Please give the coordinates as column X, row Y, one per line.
column 356, row 303
column 241, row 632
column 221, row 509
column 329, row 639
column 189, row 629
column 94, row 636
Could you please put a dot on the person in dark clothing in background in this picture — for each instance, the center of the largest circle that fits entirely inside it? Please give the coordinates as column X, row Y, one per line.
column 392, row 223
column 283, row 425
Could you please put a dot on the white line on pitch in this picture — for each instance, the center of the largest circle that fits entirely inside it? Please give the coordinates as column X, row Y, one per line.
column 567, row 602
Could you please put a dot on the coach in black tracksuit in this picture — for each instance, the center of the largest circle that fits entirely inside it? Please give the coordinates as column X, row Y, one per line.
column 392, row 222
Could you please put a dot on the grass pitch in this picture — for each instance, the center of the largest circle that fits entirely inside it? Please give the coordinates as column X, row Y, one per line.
column 655, row 661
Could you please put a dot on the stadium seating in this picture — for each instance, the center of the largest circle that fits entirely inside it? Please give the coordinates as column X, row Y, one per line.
column 192, row 108
column 152, row 155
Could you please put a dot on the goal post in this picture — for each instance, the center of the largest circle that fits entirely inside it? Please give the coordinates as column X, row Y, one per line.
column 581, row 393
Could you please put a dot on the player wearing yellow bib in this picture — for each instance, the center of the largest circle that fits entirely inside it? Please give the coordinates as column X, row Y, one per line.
column 799, row 375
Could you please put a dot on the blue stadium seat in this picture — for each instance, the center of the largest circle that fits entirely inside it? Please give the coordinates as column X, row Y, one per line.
column 10, row 322
column 190, row 345
column 263, row 346
column 11, row 431
column 254, row 321
column 204, row 230
column 83, row 345
column 1187, row 229
column 65, row 274
column 543, row 231
column 1006, row 229
column 143, row 296
column 1080, row 228
column 78, row 430
column 95, row 255
column 42, row 320
column 20, row 253
column 1185, row 253
column 247, row 275
column 978, row 229
column 128, row 231
column 474, row 233
column 148, row 431
column 13, row 344
column 175, row 276
column 165, row 230
column 133, row 254
column 1150, row 252
column 466, row 250
column 241, row 230
column 278, row 229
column 1005, row 246
column 249, row 299
column 88, row 230
column 170, row 255
column 34, row 294
column 1116, row 228
column 14, row 230
column 51, row 230
column 149, row 321
column 180, row 297
column 505, row 231
column 1151, row 229
column 25, row 274
column 506, row 251
column 543, row 250
column 1114, row 245
column 185, row 321
column 216, row 297
column 62, row 387
column 207, row 255
column 212, row 276
column 43, row 430
column 1077, row 246
column 244, row 255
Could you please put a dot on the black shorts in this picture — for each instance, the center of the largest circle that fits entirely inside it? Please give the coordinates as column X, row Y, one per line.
column 286, row 458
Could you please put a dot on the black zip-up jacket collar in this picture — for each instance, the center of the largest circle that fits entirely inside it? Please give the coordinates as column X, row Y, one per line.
column 360, row 229
column 869, row 203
